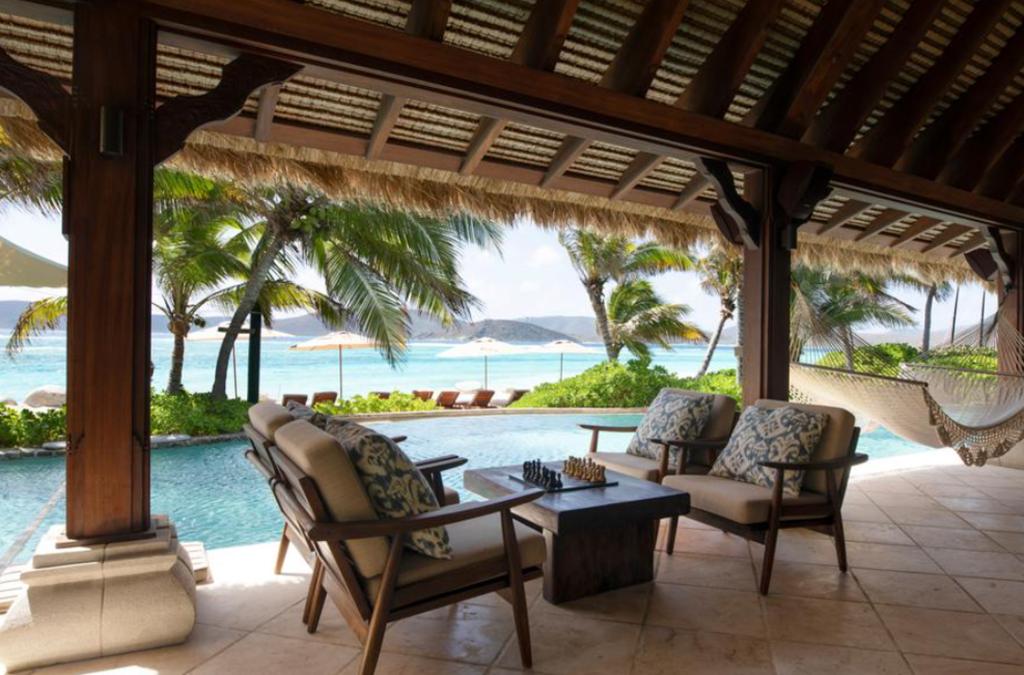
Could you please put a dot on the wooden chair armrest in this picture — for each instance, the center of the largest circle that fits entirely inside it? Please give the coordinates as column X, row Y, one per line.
column 838, row 463
column 604, row 427
column 696, row 444
column 255, row 460
column 442, row 463
column 360, row 529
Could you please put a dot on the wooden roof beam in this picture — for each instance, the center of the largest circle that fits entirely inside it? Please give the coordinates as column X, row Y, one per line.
column 914, row 230
column 947, row 134
column 642, row 164
column 951, row 232
column 886, row 141
column 839, row 122
column 1001, row 177
column 844, row 214
column 387, row 114
column 265, row 112
column 697, row 185
column 977, row 155
column 882, row 222
column 635, row 64
column 538, row 47
column 973, row 244
column 792, row 100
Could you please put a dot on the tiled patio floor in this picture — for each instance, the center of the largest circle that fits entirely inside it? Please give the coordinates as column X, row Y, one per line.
column 936, row 587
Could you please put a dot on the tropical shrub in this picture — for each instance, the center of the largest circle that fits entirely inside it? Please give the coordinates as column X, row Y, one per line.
column 396, row 402
column 30, row 428
column 880, row 359
column 971, row 358
column 715, row 382
column 196, row 414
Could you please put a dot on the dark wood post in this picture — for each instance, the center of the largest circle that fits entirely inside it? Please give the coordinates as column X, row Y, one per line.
column 766, row 290
column 255, row 332
column 1011, row 300
column 109, row 207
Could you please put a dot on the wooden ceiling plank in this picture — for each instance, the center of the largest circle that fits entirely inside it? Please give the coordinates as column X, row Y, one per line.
column 972, row 244
column 844, row 214
column 886, row 141
column 715, row 85
column 697, row 185
column 265, row 112
column 942, row 238
column 387, row 114
column 642, row 164
column 428, row 18
column 791, row 102
column 977, row 155
column 488, row 130
column 881, row 223
column 839, row 122
column 914, row 230
column 999, row 180
column 947, row 134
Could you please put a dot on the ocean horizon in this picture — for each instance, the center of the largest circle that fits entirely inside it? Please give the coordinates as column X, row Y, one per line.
column 43, row 362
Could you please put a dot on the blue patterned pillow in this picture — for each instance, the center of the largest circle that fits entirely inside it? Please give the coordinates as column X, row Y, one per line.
column 786, row 434
column 674, row 415
column 395, row 486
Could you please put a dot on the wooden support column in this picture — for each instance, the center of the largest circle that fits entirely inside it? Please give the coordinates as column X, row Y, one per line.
column 1010, row 297
column 109, row 213
column 766, row 290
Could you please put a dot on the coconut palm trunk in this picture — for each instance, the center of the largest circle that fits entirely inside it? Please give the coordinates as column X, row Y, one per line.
column 179, row 329
column 595, row 291
column 847, row 338
column 270, row 248
column 926, row 337
column 724, row 316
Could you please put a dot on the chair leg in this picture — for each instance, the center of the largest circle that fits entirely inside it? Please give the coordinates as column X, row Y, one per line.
column 314, row 585
column 515, row 583
column 839, row 537
column 673, row 526
column 381, row 609
column 769, row 558
column 282, row 551
column 316, row 608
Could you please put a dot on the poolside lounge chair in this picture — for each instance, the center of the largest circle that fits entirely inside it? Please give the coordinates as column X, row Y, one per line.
column 697, row 456
column 383, row 395
column 297, row 398
column 361, row 561
column 480, row 399
column 324, row 397
column 516, row 395
column 758, row 513
column 447, row 399
column 423, row 394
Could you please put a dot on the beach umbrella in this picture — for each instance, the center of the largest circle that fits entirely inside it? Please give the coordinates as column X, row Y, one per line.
column 340, row 340
column 563, row 347
column 21, row 267
column 484, row 347
column 216, row 334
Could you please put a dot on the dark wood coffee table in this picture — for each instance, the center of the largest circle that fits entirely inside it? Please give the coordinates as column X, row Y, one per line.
column 597, row 539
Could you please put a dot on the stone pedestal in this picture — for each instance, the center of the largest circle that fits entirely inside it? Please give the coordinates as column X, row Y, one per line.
column 82, row 602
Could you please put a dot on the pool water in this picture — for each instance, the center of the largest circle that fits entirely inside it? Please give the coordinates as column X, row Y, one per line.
column 214, row 495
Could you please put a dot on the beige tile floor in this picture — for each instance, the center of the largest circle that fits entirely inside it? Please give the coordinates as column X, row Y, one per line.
column 936, row 586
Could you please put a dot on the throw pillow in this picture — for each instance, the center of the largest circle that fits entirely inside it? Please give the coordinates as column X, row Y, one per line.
column 395, row 486
column 786, row 434
column 301, row 411
column 674, row 415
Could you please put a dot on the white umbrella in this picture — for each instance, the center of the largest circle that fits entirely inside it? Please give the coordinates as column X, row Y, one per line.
column 20, row 267
column 484, row 347
column 563, row 347
column 340, row 340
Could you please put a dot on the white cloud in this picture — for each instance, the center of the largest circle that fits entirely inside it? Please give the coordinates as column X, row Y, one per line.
column 544, row 256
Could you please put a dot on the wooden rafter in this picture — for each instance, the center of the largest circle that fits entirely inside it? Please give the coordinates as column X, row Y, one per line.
column 1003, row 175
column 715, row 85
column 790, row 103
column 886, row 141
column 838, row 123
column 693, row 189
column 488, row 130
column 945, row 135
column 642, row 164
column 882, row 222
column 844, row 214
column 951, row 232
column 265, row 111
column 633, row 68
column 914, row 230
column 387, row 114
column 972, row 244
column 182, row 115
column 43, row 94
column 967, row 167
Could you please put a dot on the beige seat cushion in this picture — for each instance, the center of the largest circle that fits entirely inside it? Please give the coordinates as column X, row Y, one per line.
column 472, row 541
column 267, row 417
column 734, row 500
column 450, row 496
column 320, row 457
column 631, row 465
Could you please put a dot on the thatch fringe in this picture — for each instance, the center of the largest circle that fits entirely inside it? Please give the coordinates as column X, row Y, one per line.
column 440, row 193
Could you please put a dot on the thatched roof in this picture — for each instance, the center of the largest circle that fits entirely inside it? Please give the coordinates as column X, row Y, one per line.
column 322, row 126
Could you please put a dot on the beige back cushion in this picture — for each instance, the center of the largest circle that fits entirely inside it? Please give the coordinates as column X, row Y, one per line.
column 834, row 443
column 723, row 411
column 321, row 458
column 267, row 418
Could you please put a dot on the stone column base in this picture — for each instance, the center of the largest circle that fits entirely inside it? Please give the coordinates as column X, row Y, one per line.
column 82, row 602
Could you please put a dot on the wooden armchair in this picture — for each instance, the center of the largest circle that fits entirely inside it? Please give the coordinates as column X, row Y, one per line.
column 697, row 455
column 361, row 562
column 758, row 513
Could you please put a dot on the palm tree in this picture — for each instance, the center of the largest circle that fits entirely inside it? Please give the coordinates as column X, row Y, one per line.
column 600, row 260
column 720, row 274
column 375, row 264
column 638, row 316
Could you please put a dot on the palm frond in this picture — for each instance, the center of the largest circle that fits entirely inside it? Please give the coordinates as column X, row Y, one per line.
column 40, row 316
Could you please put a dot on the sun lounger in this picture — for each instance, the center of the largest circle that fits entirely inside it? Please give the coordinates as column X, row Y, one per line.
column 325, row 397
column 383, row 395
column 447, row 399
column 480, row 399
column 423, row 394
column 297, row 398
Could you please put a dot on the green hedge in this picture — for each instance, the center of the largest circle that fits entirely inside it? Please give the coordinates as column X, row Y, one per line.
column 881, row 359
column 617, row 385
column 396, row 402
column 27, row 428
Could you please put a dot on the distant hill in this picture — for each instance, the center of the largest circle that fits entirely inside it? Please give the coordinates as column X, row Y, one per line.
column 499, row 329
column 579, row 328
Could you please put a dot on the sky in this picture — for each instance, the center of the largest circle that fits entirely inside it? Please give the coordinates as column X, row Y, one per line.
column 531, row 276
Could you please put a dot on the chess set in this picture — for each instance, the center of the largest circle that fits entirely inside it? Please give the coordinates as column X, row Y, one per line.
column 576, row 474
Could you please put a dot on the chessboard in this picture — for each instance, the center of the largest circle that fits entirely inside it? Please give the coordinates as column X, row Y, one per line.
column 535, row 474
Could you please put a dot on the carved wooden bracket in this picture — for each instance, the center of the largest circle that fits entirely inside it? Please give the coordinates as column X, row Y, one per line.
column 1000, row 258
column 43, row 94
column 801, row 187
column 182, row 115
column 737, row 220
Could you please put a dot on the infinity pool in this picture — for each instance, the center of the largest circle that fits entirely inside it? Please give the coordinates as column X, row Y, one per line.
column 214, row 495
